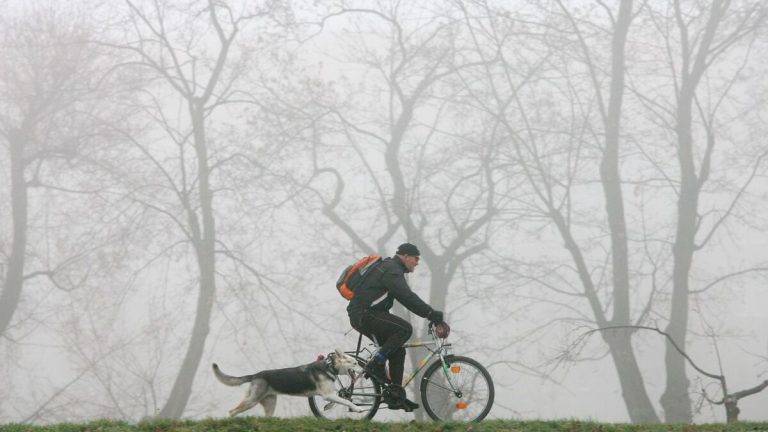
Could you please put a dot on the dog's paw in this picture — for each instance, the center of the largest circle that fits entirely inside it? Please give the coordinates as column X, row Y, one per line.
column 359, row 409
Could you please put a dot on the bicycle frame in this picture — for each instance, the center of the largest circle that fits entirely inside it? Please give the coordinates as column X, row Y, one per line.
column 440, row 350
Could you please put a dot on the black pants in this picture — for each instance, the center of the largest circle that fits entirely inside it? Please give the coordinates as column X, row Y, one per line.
column 390, row 332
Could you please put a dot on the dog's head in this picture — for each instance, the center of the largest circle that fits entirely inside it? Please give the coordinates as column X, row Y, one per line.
column 343, row 363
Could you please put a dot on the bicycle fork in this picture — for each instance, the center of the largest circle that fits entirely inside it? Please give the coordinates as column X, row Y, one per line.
column 447, row 370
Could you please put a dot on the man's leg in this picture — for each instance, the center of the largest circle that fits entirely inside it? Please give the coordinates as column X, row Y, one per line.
column 394, row 332
column 397, row 366
column 375, row 367
column 396, row 398
column 390, row 333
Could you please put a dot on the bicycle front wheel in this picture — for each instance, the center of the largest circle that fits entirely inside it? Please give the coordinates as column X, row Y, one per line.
column 459, row 390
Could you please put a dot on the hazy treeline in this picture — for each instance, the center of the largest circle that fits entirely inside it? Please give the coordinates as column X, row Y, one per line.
column 182, row 181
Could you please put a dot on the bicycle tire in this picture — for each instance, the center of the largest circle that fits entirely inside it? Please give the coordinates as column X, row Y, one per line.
column 319, row 411
column 429, row 382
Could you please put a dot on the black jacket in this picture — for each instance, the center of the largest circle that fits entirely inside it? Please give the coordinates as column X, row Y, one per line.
column 385, row 284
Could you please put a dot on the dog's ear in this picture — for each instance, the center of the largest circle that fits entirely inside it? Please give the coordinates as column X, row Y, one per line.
column 339, row 352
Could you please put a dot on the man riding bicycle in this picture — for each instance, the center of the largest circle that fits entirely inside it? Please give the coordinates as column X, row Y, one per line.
column 369, row 314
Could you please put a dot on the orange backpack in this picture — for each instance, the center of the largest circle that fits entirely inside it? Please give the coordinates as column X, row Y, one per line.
column 353, row 276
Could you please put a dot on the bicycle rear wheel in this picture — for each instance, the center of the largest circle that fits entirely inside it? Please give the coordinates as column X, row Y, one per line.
column 365, row 393
column 460, row 391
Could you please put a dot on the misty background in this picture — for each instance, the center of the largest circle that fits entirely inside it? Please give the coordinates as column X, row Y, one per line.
column 183, row 181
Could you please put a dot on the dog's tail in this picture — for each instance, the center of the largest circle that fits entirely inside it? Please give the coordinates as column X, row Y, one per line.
column 230, row 380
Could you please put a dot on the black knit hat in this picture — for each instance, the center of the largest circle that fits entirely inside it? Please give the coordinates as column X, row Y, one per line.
column 408, row 249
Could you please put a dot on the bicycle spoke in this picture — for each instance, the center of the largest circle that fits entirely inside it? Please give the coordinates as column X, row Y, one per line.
column 441, row 386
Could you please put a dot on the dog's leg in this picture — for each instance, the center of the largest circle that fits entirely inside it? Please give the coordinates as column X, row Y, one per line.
column 269, row 402
column 256, row 392
column 245, row 405
column 340, row 400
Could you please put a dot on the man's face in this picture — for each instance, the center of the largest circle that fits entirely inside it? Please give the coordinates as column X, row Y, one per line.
column 410, row 262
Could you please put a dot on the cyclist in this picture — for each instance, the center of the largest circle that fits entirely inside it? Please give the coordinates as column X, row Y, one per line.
column 369, row 314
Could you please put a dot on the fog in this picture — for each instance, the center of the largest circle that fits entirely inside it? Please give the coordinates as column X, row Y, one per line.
column 182, row 182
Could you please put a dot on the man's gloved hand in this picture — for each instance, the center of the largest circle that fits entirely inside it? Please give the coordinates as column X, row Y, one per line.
column 442, row 330
column 435, row 316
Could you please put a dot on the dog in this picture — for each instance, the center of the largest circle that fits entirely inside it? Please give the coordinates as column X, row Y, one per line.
column 313, row 379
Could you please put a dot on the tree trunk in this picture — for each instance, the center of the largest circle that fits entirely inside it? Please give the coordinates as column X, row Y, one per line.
column 14, row 277
column 204, row 248
column 676, row 401
column 633, row 391
column 438, row 289
column 438, row 285
column 414, row 356
column 639, row 406
column 731, row 410
column 609, row 170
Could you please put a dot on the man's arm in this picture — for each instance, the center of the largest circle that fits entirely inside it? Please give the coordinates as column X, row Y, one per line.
column 398, row 286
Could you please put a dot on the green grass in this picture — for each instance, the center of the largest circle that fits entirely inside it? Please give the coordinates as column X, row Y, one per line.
column 249, row 424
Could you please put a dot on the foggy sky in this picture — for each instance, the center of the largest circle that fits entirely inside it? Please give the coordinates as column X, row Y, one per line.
column 332, row 130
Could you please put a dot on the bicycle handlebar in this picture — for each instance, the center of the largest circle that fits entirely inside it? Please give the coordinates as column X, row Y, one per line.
column 431, row 328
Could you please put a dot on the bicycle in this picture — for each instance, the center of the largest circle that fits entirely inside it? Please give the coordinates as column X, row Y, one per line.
column 455, row 388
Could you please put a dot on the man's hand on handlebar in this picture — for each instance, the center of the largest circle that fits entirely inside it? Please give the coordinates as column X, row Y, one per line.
column 435, row 317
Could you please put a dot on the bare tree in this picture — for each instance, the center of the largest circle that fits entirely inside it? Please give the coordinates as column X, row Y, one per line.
column 697, row 37
column 552, row 187
column 178, row 64
column 51, row 83
column 414, row 66
column 56, row 94
column 638, row 403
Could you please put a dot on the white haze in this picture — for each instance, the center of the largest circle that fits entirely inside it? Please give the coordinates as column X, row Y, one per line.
column 106, row 335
